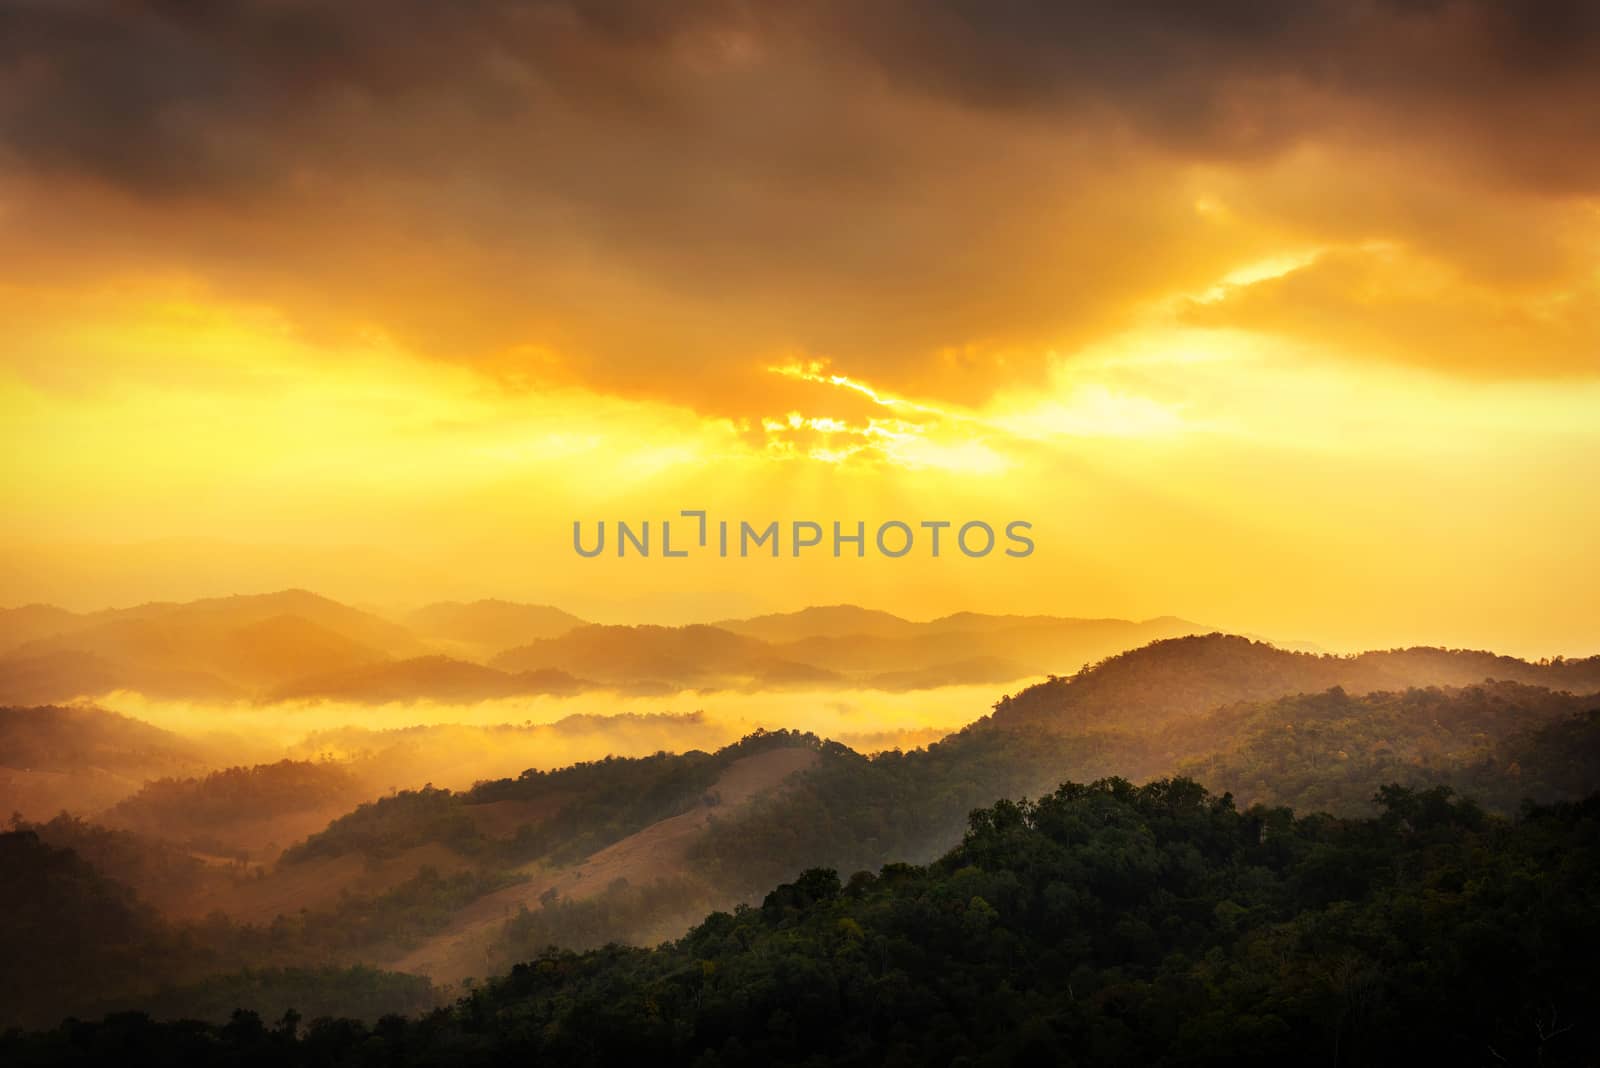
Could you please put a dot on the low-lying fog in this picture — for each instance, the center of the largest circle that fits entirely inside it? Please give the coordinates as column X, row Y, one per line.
column 404, row 744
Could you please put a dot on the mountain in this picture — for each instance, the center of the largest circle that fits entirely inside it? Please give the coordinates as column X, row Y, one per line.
column 696, row 656
column 603, row 867
column 833, row 621
column 1109, row 924
column 84, row 759
column 295, row 644
column 979, row 622
column 219, row 648
column 891, row 653
column 31, row 622
column 971, row 671
column 240, row 810
column 66, row 674
column 267, row 650
column 1106, row 923
column 483, row 628
column 459, row 883
column 71, row 935
column 1505, row 741
column 853, row 640
column 1030, row 647
column 458, row 755
column 1498, row 742
column 79, row 942
column 71, row 738
column 226, row 613
column 433, row 678
column 1181, row 677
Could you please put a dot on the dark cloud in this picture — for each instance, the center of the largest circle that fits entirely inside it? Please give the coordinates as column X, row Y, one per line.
column 925, row 192
column 1245, row 76
column 157, row 93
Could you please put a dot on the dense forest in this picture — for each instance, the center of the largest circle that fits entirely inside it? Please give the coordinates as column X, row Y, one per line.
column 1501, row 743
column 1105, row 924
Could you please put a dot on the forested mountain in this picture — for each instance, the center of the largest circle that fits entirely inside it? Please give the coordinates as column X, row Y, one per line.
column 455, row 884
column 459, row 884
column 67, row 928
column 83, row 943
column 76, row 737
column 240, row 810
column 1177, row 678
column 379, row 885
column 84, row 758
column 1499, row 742
column 1106, row 924
column 1503, row 742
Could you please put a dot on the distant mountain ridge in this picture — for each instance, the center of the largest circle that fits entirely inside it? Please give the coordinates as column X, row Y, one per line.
column 295, row 644
column 433, row 678
column 838, row 620
column 849, row 620
column 484, row 628
column 681, row 657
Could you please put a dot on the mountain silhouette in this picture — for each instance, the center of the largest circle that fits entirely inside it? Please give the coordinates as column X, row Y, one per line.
column 483, row 628
column 686, row 657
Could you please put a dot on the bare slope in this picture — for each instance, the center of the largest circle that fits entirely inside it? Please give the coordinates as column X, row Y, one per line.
column 658, row 851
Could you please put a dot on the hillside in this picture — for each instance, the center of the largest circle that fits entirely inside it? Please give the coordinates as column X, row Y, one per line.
column 423, row 880
column 81, row 758
column 240, row 811
column 1499, row 742
column 1108, row 922
column 1329, row 751
column 657, row 854
column 1169, row 680
column 31, row 622
column 78, row 941
column 67, row 928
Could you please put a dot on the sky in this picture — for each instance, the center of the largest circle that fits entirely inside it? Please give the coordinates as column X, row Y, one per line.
column 1280, row 318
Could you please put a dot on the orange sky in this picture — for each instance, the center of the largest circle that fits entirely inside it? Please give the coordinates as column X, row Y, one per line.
column 1277, row 320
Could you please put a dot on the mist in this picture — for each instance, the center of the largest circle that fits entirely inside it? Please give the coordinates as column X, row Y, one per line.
column 407, row 743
